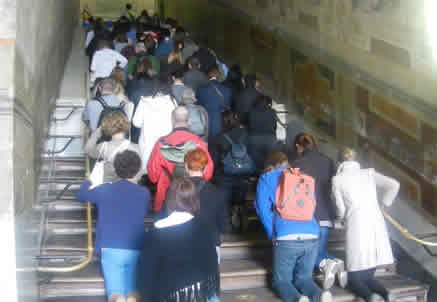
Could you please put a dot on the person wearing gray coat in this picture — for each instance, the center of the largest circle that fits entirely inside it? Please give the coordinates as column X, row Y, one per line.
column 367, row 241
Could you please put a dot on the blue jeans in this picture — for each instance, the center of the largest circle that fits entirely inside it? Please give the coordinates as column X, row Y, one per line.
column 323, row 247
column 293, row 263
column 120, row 268
column 214, row 299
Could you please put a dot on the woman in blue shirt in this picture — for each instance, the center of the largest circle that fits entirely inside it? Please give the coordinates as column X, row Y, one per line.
column 120, row 232
column 295, row 243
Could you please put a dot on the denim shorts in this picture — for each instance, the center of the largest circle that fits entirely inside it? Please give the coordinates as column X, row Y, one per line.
column 120, row 267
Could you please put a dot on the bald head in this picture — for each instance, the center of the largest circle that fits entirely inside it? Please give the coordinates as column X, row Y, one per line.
column 179, row 117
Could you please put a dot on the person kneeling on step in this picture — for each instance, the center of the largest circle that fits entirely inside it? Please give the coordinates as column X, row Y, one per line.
column 281, row 192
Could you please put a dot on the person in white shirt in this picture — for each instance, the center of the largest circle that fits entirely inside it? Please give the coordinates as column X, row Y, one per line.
column 105, row 60
column 153, row 117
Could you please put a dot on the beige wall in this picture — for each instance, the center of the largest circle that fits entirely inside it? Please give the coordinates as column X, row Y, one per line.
column 359, row 72
column 112, row 8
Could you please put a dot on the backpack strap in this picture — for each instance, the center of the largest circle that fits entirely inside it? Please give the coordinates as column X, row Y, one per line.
column 101, row 101
column 228, row 138
column 221, row 95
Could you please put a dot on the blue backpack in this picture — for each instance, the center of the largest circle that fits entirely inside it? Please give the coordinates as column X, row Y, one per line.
column 237, row 161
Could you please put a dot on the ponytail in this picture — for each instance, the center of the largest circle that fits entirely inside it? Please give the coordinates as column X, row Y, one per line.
column 306, row 141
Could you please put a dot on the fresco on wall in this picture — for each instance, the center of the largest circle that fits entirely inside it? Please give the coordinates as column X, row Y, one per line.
column 264, row 46
column 314, row 86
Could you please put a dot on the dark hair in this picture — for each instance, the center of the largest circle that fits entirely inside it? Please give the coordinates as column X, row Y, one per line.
column 178, row 73
column 104, row 43
column 143, row 67
column 194, row 62
column 183, row 196
column 306, row 141
column 160, row 85
column 275, row 160
column 127, row 164
column 144, row 13
column 128, row 6
column 250, row 80
column 230, row 120
column 213, row 72
column 234, row 73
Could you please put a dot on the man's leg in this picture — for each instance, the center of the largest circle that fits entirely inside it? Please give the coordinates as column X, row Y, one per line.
column 303, row 275
column 285, row 254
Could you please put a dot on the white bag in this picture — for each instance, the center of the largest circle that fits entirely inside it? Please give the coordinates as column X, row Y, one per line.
column 97, row 174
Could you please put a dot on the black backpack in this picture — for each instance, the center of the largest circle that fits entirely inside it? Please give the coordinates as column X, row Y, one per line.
column 108, row 109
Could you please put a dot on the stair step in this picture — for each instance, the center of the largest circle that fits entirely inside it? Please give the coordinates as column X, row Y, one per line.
column 242, row 280
column 63, row 206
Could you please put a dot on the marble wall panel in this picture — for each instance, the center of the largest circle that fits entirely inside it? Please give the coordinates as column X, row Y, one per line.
column 314, row 92
column 395, row 115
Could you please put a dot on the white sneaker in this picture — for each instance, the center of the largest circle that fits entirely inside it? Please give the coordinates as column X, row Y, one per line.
column 304, row 299
column 326, row 296
column 340, row 264
column 376, row 298
column 329, row 268
column 342, row 279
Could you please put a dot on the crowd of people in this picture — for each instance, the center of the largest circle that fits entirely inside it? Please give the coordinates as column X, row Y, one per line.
column 181, row 135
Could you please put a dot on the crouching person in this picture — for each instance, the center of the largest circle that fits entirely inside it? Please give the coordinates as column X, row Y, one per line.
column 120, row 232
column 295, row 239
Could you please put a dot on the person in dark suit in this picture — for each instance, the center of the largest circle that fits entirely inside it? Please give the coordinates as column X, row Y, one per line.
column 140, row 86
column 261, row 125
column 194, row 78
column 216, row 98
column 246, row 99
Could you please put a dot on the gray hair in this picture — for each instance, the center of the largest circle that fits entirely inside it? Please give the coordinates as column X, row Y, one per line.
column 347, row 154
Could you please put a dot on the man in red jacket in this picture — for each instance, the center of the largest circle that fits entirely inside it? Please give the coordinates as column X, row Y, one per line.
column 159, row 168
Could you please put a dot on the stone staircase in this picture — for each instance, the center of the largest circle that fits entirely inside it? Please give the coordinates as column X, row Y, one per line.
column 246, row 257
column 245, row 269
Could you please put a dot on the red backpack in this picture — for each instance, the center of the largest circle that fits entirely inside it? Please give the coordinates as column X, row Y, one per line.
column 295, row 199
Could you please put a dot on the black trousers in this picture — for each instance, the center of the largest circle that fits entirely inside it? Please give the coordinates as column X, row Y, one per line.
column 364, row 284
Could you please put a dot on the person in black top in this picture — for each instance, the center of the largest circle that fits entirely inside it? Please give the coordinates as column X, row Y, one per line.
column 234, row 80
column 247, row 97
column 181, row 261
column 311, row 162
column 213, row 204
column 262, row 130
column 235, row 186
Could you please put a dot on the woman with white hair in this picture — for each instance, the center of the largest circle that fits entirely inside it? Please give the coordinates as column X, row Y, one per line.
column 367, row 240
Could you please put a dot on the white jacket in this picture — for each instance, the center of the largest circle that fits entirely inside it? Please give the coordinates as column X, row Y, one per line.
column 355, row 194
column 153, row 116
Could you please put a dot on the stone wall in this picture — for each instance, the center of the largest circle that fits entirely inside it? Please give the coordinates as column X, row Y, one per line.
column 112, row 8
column 360, row 73
column 35, row 41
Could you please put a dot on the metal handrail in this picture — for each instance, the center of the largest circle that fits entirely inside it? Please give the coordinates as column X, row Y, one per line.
column 90, row 248
column 404, row 232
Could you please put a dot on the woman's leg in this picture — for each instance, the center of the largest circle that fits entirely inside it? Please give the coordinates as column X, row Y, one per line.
column 358, row 283
column 376, row 286
column 111, row 273
column 130, row 273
